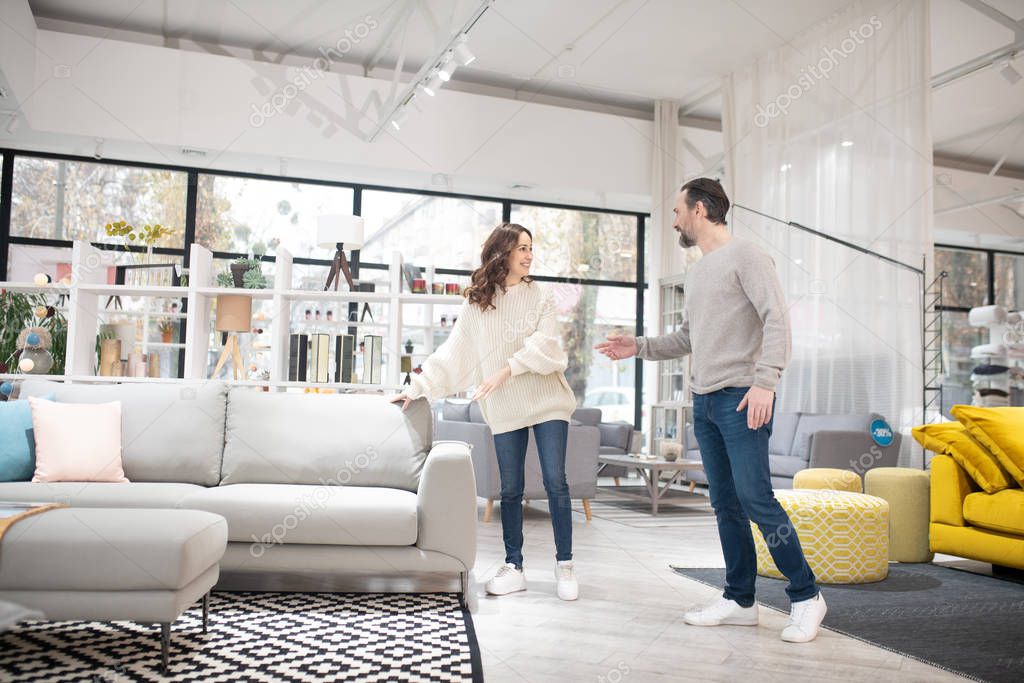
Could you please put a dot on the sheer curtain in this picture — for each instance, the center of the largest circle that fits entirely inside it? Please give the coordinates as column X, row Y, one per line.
column 833, row 131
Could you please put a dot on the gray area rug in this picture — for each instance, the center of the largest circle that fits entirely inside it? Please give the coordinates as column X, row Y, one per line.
column 966, row 623
column 676, row 509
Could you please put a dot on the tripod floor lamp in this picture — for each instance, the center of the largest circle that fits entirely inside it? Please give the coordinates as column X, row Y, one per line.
column 234, row 315
column 341, row 232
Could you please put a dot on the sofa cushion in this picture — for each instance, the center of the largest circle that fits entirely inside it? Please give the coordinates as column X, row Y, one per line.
column 783, row 433
column 953, row 439
column 354, row 439
column 100, row 494
column 107, row 550
column 269, row 514
column 616, row 434
column 999, row 430
column 170, row 432
column 455, row 411
column 17, row 441
column 77, row 441
column 809, row 424
column 588, row 416
column 1002, row 511
column 785, row 465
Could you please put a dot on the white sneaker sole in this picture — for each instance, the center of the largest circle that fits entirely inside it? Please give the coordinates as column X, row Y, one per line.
column 491, row 591
column 730, row 621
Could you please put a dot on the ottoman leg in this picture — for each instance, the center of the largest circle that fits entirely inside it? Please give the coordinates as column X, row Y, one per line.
column 206, row 610
column 165, row 646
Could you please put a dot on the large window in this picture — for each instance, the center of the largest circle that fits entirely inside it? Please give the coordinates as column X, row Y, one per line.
column 589, row 257
column 1009, row 280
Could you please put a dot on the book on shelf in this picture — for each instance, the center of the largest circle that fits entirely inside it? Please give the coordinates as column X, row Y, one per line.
column 320, row 358
column 298, row 357
column 373, row 346
column 344, row 357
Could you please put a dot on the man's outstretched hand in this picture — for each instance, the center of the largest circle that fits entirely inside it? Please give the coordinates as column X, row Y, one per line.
column 618, row 346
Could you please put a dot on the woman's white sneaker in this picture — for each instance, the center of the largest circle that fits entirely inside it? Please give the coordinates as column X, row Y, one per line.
column 565, row 576
column 723, row 613
column 804, row 619
column 507, row 580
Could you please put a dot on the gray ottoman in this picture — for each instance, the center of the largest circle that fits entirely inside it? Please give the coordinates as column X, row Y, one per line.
column 100, row 564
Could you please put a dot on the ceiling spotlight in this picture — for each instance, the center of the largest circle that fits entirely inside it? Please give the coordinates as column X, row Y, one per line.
column 433, row 83
column 1009, row 73
column 447, row 68
column 396, row 120
column 847, row 143
column 462, row 52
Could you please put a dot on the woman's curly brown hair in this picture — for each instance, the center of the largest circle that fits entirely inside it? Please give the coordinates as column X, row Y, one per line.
column 494, row 265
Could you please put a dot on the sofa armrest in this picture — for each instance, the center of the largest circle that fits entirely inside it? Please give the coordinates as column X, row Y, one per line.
column 581, row 465
column 852, row 450
column 950, row 486
column 617, row 434
column 485, row 463
column 446, row 509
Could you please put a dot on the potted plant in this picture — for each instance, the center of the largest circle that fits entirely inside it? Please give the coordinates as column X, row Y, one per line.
column 166, row 327
column 148, row 235
column 408, row 345
column 19, row 310
column 245, row 273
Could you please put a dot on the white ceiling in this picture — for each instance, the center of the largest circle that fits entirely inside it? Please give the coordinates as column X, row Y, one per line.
column 616, row 55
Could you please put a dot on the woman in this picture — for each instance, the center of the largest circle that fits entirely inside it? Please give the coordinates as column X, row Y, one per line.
column 506, row 341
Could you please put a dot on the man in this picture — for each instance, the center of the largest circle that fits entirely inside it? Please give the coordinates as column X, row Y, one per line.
column 736, row 328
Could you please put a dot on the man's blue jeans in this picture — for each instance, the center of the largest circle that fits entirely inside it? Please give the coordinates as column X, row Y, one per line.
column 736, row 463
column 551, row 439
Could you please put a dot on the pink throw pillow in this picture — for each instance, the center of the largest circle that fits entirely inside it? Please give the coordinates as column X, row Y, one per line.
column 77, row 441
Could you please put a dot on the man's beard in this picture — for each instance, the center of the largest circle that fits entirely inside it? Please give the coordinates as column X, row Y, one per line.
column 686, row 240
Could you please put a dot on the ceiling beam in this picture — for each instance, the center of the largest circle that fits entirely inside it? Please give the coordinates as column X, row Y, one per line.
column 997, row 16
column 960, row 163
column 1013, row 196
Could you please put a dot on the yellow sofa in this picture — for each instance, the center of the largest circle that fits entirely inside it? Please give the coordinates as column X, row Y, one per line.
column 967, row 522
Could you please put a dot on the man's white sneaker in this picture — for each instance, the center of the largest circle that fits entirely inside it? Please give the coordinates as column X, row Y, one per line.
column 568, row 586
column 507, row 580
column 723, row 613
column 804, row 619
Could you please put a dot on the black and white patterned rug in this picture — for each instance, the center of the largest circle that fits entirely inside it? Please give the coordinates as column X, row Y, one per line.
column 286, row 637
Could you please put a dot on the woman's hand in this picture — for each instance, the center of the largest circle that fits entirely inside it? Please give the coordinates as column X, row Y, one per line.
column 492, row 383
column 401, row 397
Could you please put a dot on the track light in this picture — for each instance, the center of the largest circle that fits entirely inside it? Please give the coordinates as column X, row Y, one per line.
column 462, row 53
column 1009, row 73
column 433, row 83
column 447, row 68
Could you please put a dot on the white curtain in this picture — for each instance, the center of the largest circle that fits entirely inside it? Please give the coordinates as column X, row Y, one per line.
column 833, row 131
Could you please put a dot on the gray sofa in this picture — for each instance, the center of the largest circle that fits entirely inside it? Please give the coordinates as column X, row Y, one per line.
column 463, row 421
column 803, row 440
column 309, row 484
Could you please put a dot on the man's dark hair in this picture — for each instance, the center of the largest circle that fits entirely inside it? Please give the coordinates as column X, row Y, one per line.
column 708, row 192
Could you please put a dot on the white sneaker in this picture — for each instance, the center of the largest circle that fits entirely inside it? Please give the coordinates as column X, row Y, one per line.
column 568, row 586
column 804, row 619
column 723, row 613
column 507, row 580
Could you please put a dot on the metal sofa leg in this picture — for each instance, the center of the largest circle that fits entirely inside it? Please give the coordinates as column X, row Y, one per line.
column 165, row 647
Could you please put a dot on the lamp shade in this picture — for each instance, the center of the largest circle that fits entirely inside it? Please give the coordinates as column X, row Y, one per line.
column 334, row 228
column 234, row 313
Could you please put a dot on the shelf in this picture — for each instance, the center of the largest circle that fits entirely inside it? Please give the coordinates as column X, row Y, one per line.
column 261, row 294
column 334, row 323
column 17, row 376
column 131, row 290
column 337, row 385
column 440, row 299
column 163, row 345
column 31, row 287
column 154, row 315
column 339, row 296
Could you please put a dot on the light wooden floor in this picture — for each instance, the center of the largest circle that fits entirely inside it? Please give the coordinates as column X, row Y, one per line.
column 627, row 626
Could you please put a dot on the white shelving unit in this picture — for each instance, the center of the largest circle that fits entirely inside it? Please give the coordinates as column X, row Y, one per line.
column 672, row 412
column 87, row 289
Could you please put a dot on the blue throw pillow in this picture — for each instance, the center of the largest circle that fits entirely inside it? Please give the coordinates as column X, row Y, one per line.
column 17, row 441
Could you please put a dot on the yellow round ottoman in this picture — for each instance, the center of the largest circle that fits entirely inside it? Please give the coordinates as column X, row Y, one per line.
column 827, row 478
column 908, row 492
column 845, row 535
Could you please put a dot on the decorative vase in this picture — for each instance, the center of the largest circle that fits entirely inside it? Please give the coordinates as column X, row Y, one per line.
column 110, row 357
column 167, row 336
column 408, row 348
column 238, row 274
column 154, row 364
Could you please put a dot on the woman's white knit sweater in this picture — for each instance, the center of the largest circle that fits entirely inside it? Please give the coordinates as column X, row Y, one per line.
column 521, row 332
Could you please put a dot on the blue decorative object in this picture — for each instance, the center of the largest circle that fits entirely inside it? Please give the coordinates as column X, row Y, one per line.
column 17, row 441
column 881, row 432
column 6, row 388
column 32, row 339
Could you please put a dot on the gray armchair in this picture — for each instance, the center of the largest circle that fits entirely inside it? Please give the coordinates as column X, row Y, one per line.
column 463, row 421
column 615, row 439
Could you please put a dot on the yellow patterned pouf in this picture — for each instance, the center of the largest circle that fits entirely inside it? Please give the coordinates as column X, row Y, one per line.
column 827, row 478
column 845, row 536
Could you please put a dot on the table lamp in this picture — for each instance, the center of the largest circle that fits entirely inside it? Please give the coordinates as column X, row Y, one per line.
column 339, row 231
column 234, row 315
